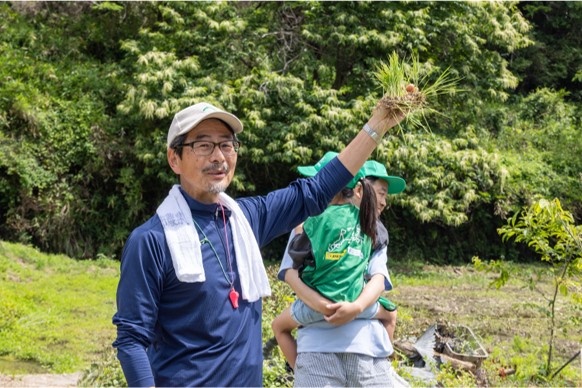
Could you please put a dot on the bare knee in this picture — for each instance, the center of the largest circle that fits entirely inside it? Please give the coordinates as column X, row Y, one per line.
column 276, row 325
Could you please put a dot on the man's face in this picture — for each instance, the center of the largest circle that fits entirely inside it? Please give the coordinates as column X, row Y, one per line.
column 381, row 189
column 204, row 177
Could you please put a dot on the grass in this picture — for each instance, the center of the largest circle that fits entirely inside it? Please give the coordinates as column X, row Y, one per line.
column 55, row 317
column 56, row 312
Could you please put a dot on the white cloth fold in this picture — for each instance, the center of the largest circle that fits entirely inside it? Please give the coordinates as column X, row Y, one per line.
column 184, row 244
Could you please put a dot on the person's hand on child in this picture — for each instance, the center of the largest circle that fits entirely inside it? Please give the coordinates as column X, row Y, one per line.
column 344, row 312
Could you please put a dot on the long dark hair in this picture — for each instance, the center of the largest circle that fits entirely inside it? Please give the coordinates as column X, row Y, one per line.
column 368, row 208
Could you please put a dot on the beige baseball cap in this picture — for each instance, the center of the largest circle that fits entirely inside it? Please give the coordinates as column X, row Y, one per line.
column 188, row 118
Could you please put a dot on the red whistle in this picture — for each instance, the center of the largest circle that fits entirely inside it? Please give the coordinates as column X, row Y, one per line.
column 233, row 295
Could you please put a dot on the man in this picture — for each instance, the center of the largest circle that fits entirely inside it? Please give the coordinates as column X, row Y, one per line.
column 189, row 295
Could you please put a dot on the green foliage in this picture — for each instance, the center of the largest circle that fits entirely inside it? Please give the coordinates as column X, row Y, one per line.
column 446, row 179
column 448, row 376
column 540, row 146
column 493, row 266
column 555, row 60
column 274, row 372
column 105, row 372
column 551, row 232
column 89, row 89
column 524, row 357
column 50, row 162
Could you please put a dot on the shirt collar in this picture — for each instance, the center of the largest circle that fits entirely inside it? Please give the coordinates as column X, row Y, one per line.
column 197, row 206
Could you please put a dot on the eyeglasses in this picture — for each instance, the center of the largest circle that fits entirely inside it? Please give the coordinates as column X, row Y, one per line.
column 205, row 148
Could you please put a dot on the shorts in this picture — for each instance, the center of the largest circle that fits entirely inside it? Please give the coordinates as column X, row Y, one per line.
column 304, row 315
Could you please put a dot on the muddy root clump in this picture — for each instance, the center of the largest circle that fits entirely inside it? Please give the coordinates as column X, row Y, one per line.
column 406, row 104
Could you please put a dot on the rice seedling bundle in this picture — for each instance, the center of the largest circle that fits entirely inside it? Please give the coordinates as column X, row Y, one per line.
column 408, row 89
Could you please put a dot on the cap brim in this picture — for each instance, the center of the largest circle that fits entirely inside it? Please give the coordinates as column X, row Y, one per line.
column 231, row 120
column 395, row 184
column 307, row 170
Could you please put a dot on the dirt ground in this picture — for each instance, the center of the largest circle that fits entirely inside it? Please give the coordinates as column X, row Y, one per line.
column 40, row 380
column 495, row 315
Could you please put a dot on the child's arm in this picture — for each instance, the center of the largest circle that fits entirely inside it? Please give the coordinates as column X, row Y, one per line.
column 348, row 311
column 307, row 294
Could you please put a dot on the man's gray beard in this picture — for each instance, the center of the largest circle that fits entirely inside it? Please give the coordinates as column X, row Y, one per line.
column 217, row 188
column 220, row 187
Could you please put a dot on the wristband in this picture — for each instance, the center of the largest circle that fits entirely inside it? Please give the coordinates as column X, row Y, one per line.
column 373, row 134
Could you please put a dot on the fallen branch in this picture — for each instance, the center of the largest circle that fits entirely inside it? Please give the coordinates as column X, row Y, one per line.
column 407, row 348
column 457, row 364
column 503, row 372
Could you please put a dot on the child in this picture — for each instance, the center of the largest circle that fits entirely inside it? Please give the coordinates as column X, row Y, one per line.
column 331, row 252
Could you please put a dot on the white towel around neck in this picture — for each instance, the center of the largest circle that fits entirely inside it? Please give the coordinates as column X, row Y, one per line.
column 184, row 245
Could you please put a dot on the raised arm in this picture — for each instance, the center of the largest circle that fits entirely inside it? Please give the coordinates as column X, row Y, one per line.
column 361, row 147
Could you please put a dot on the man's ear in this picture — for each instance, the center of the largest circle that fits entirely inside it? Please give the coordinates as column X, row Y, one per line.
column 174, row 161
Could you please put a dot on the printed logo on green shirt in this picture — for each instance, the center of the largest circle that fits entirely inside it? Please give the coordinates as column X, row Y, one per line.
column 347, row 236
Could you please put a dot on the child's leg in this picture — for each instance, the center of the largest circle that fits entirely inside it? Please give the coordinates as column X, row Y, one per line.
column 282, row 326
column 388, row 320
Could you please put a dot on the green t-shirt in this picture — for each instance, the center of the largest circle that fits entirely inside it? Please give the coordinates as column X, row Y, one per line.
column 341, row 253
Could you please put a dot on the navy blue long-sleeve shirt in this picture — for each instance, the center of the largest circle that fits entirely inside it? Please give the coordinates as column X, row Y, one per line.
column 171, row 333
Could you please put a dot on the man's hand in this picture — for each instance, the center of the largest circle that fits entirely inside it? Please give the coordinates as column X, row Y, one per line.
column 383, row 118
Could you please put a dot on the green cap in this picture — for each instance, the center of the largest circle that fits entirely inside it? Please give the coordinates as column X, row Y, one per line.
column 395, row 184
column 310, row 171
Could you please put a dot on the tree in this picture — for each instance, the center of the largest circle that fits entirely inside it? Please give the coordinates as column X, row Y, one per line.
column 100, row 82
column 60, row 148
column 551, row 232
column 556, row 57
